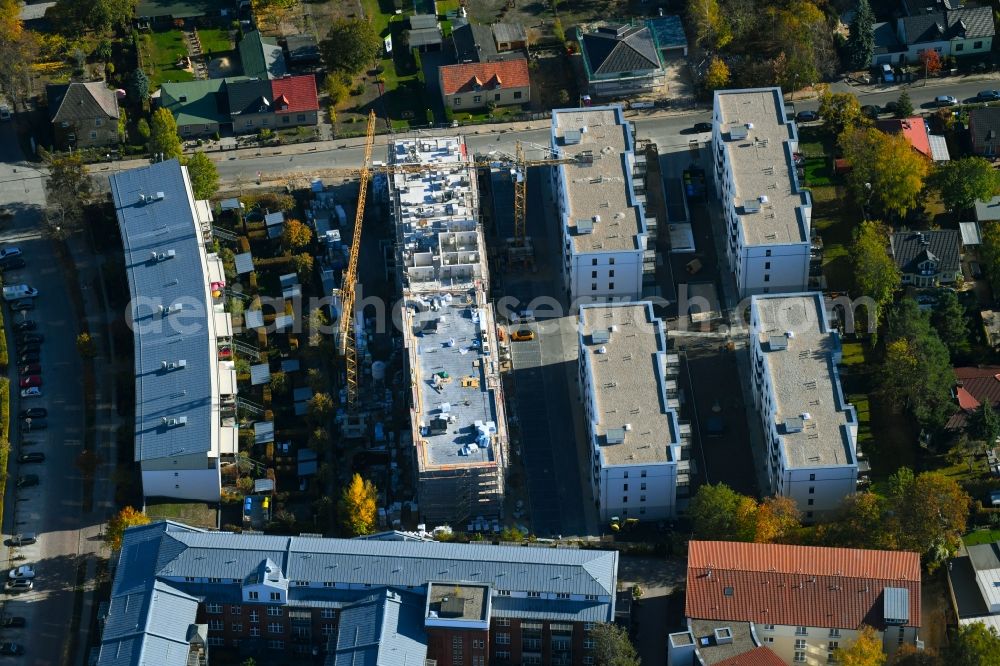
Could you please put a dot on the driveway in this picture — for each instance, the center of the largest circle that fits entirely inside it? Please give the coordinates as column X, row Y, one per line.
column 53, row 508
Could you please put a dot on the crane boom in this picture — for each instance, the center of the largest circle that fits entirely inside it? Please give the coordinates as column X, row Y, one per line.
column 520, row 192
column 348, row 339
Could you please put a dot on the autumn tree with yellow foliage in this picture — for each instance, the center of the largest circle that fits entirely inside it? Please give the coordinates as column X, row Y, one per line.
column 720, row 513
column 884, row 169
column 865, row 651
column 121, row 521
column 358, row 506
column 717, row 75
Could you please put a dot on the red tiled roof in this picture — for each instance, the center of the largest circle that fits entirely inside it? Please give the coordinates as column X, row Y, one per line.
column 913, row 128
column 465, row 77
column 298, row 91
column 759, row 656
column 979, row 385
column 797, row 585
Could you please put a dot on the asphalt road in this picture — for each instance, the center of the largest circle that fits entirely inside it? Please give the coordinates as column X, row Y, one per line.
column 52, row 509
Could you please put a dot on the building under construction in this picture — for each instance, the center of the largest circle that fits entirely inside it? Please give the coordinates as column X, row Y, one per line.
column 457, row 412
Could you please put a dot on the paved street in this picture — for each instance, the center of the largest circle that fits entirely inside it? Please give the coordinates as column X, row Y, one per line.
column 53, row 508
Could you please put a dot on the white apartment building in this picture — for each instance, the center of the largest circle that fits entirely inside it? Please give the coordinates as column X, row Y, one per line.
column 767, row 214
column 185, row 389
column 810, row 430
column 438, row 237
column 628, row 384
column 601, row 204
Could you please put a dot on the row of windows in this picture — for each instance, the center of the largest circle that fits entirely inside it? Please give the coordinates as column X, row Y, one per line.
column 478, row 99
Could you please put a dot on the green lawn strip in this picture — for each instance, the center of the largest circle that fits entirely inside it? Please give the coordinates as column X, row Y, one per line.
column 4, row 441
column 214, row 41
column 835, row 225
column 817, row 171
column 397, row 101
column 852, row 353
column 162, row 51
column 979, row 537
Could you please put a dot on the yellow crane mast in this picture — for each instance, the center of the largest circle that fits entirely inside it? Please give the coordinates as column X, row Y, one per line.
column 348, row 336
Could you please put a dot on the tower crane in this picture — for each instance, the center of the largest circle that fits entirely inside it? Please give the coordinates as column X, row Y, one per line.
column 348, row 336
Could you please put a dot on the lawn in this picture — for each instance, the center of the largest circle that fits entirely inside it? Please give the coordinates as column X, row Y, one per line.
column 835, row 224
column 190, row 513
column 978, row 537
column 160, row 52
column 853, row 353
column 817, row 171
column 214, row 41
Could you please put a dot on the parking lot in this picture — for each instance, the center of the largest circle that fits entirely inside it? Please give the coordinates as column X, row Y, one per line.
column 52, row 508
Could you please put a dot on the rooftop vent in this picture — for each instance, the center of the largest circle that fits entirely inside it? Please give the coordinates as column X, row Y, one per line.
column 723, row 636
column 751, row 206
column 793, row 424
column 601, row 350
column 572, row 137
column 162, row 256
column 600, row 336
column 615, row 436
column 175, row 422
column 174, row 365
column 777, row 343
column 737, row 133
column 585, row 226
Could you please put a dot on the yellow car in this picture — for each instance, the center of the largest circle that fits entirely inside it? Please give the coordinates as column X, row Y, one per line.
column 522, row 335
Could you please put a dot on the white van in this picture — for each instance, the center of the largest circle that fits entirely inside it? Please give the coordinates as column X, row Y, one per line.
column 16, row 291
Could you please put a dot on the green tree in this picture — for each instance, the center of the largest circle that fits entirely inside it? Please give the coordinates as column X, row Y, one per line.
column 861, row 41
column 122, row 125
column 989, row 252
column 974, row 644
column 278, row 383
column 163, row 137
column 336, row 88
column 321, row 406
column 858, row 523
column 350, row 46
column 121, row 521
column 204, row 175
column 884, row 167
column 865, row 651
column 711, row 30
column 137, row 86
column 952, row 326
column 841, row 111
column 984, row 423
column 143, row 128
column 713, row 511
column 926, row 510
column 303, row 266
column 904, row 106
column 612, row 646
column 964, row 181
column 358, row 504
column 875, row 273
column 909, row 655
column 717, row 75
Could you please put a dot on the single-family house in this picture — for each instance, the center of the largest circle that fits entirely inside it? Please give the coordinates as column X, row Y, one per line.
column 914, row 7
column 957, row 32
column 975, row 385
column 261, row 56
column 302, row 49
column 201, row 108
column 83, row 115
column 476, row 85
column 927, row 258
column 984, row 130
column 424, row 33
column 275, row 104
column 888, row 49
column 669, row 33
column 974, row 584
column 621, row 60
column 296, row 102
column 914, row 129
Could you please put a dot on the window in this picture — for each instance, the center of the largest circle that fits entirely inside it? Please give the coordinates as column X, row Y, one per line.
column 188, row 579
column 593, row 286
column 213, row 609
column 800, row 644
column 286, row 119
column 478, row 644
column 626, row 487
column 327, row 630
column 214, row 580
column 626, row 475
column 274, row 628
column 276, row 596
column 642, row 498
column 253, row 596
column 562, row 595
column 249, row 123
column 801, row 631
column 812, row 477
column 831, row 659
column 327, row 583
column 216, row 625
column 503, row 639
column 275, row 611
column 276, row 645
column 480, row 660
column 835, row 633
column 611, row 274
column 502, row 654
column 811, row 502
column 216, row 641
column 959, row 47
column 769, row 639
column 235, row 610
column 496, row 97
column 534, row 595
column 237, row 627
column 642, row 510
column 302, row 583
column 809, row 514
column 589, row 626
column 812, row 490
column 301, row 118
column 254, row 615
column 593, row 274
column 98, row 122
column 611, row 261
column 477, row 99
column 589, row 643
column 767, row 265
column 832, row 645
column 767, row 278
column 625, row 499
column 588, row 660
column 458, row 101
column 327, row 614
column 611, row 285
column 517, row 94
column 977, row 45
column 767, row 253
column 456, row 649
column 643, row 474
column 503, row 593
column 254, row 632
column 501, row 622
column 593, row 262
column 768, row 627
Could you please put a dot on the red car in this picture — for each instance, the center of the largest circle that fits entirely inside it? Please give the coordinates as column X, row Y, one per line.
column 31, row 369
column 31, row 380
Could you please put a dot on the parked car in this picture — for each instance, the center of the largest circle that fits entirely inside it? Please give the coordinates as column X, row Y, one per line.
column 23, row 572
column 26, row 325
column 703, row 127
column 27, row 481
column 22, row 305
column 23, row 539
column 27, row 357
column 522, row 335
column 31, row 380
column 27, row 337
column 10, row 252
column 30, row 369
column 12, row 264
column 11, row 621
column 887, row 73
column 34, row 413
column 31, row 425
column 806, row 116
column 988, row 95
column 33, row 392
column 945, row 100
column 33, row 457
column 17, row 586
column 11, row 649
